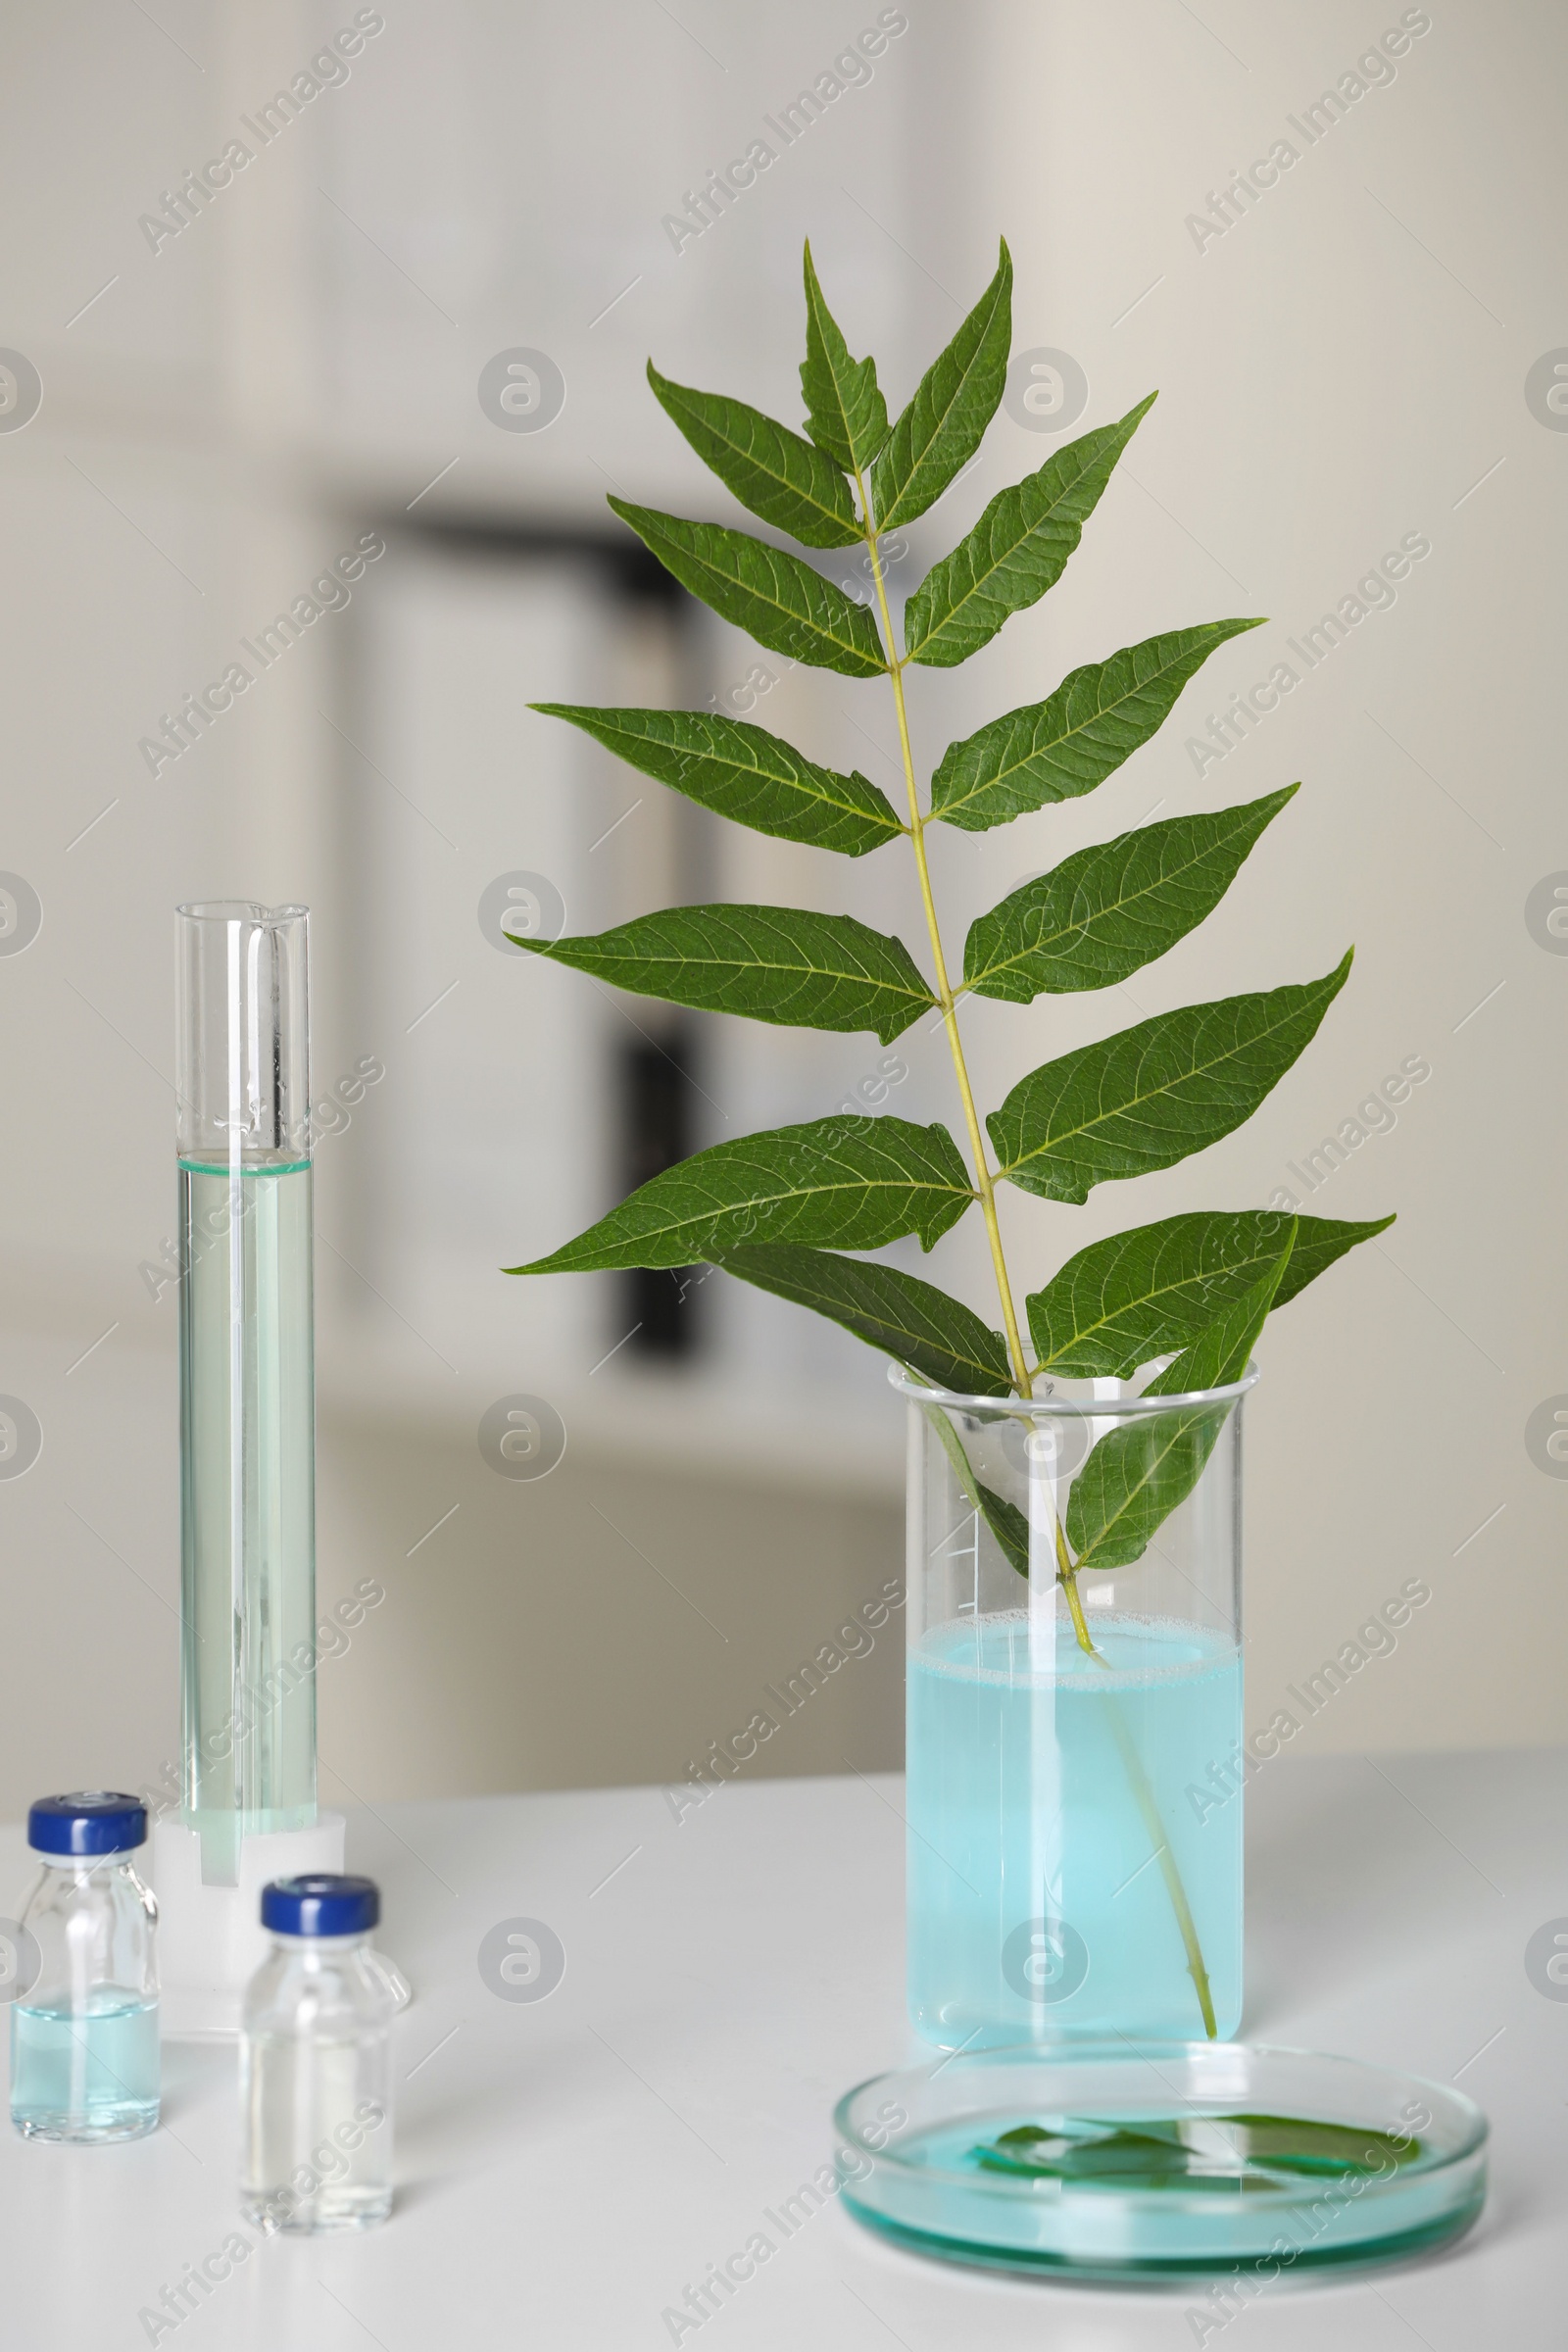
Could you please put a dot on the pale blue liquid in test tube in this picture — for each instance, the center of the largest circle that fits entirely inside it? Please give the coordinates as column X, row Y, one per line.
column 247, row 1376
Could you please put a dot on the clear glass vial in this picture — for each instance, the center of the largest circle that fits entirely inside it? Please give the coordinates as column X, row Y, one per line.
column 316, row 2062
column 84, row 2061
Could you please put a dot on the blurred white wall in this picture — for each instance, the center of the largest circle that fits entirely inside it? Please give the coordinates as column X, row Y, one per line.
column 301, row 365
column 1348, row 364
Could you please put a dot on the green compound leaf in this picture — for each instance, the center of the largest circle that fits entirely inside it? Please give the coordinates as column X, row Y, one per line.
column 1139, row 1473
column 743, row 772
column 845, row 413
column 1140, row 1293
column 1151, row 1094
column 1063, row 747
column 772, row 470
column 1016, row 551
column 954, row 400
column 1113, row 907
column 936, row 1337
column 772, row 964
column 774, row 595
column 778, row 1209
column 844, row 1183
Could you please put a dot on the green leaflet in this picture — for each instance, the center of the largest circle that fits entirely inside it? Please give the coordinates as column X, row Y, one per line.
column 1113, row 906
column 1059, row 749
column 1150, row 1094
column 1007, row 1524
column 845, row 413
column 1213, row 2155
column 1003, row 1518
column 936, row 1337
column 1139, row 1473
column 773, row 963
column 1222, row 1351
column 954, row 400
column 1016, row 551
column 843, row 1183
column 1137, row 1295
column 772, row 470
column 743, row 772
column 774, row 595
column 1319, row 1240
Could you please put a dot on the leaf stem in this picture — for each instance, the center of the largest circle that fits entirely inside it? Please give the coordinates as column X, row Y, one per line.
column 1148, row 1805
column 1067, row 1577
column 1142, row 1797
column 1067, row 1571
column 916, row 830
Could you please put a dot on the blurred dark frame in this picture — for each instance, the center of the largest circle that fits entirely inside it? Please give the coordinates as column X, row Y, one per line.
column 654, row 1091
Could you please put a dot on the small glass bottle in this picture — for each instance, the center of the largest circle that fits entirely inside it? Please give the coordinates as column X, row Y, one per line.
column 316, row 2062
column 84, row 2030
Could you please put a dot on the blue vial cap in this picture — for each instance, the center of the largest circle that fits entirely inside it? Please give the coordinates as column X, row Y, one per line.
column 320, row 1903
column 89, row 1821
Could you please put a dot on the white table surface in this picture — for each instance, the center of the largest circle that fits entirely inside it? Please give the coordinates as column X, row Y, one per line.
column 568, row 2166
